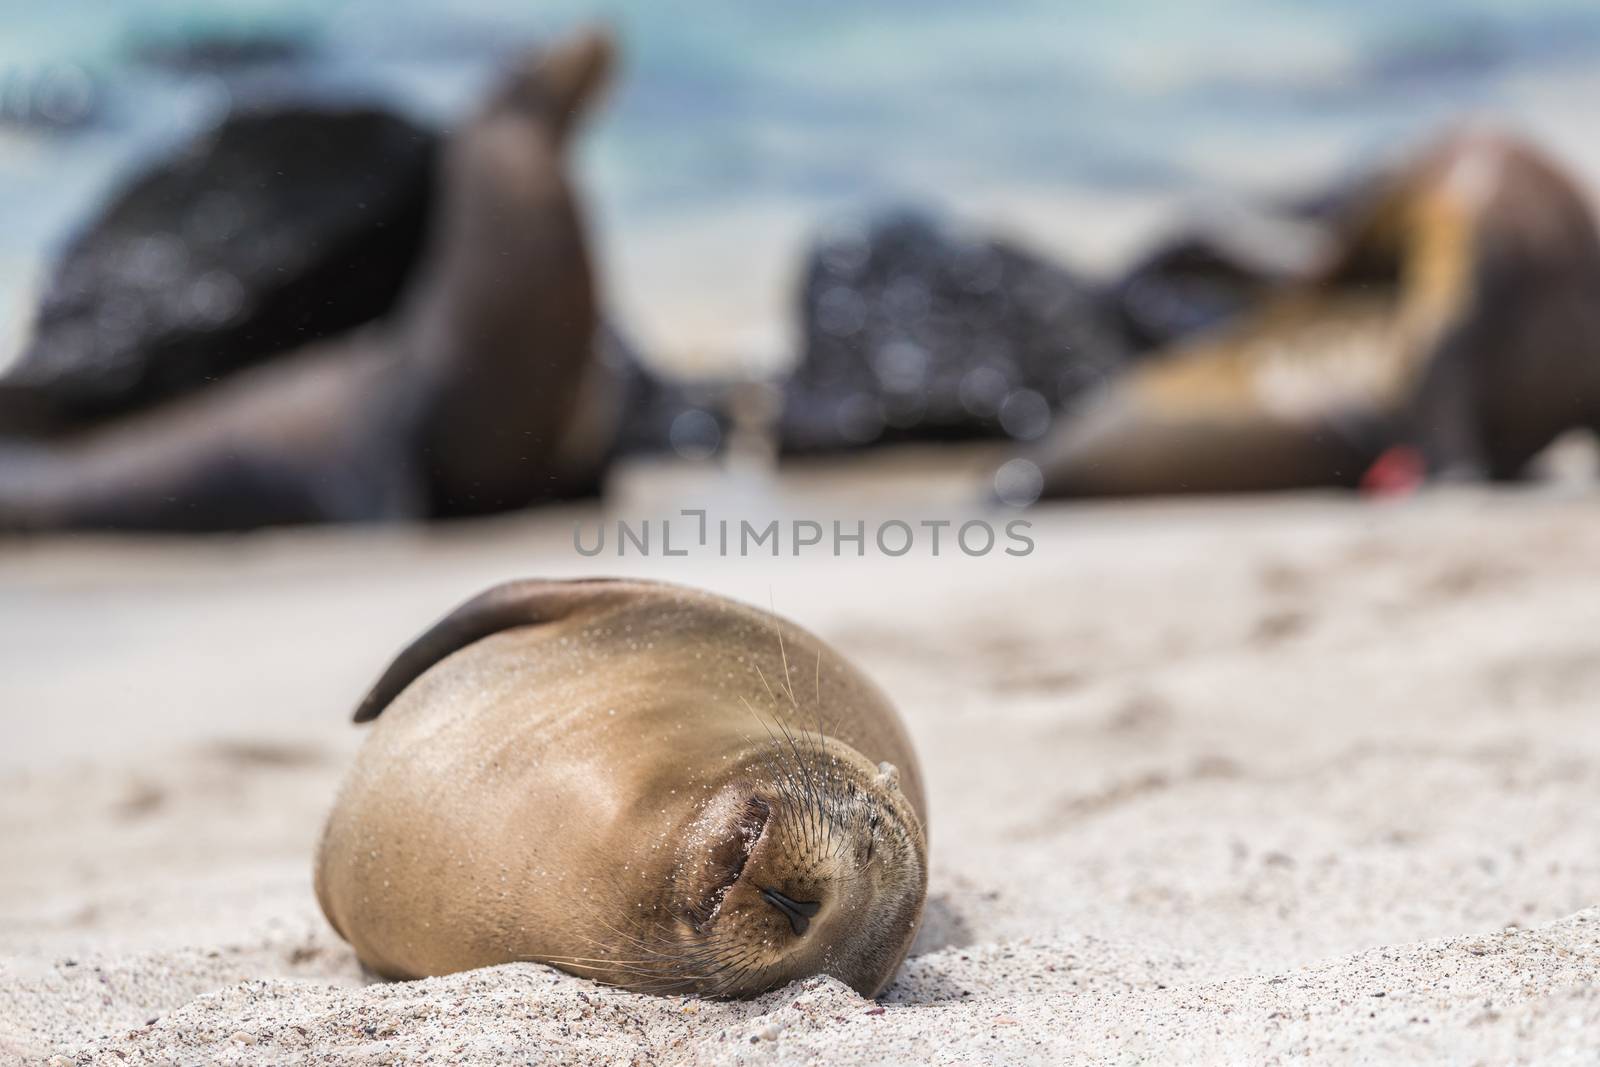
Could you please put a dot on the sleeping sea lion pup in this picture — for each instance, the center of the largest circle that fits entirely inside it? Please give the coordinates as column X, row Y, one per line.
column 1459, row 316
column 639, row 783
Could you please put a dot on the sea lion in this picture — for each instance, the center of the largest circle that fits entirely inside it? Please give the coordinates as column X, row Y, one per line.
column 1459, row 316
column 636, row 782
column 479, row 393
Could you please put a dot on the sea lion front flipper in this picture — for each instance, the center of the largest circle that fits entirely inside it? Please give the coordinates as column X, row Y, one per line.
column 528, row 602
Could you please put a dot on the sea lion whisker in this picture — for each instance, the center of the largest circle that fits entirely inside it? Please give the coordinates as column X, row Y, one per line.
column 816, row 704
column 638, row 942
column 576, row 960
column 771, row 736
column 815, row 772
column 647, row 982
column 783, row 654
column 812, row 776
column 713, row 952
column 801, row 764
column 765, row 684
column 652, row 948
column 737, row 977
column 669, row 975
column 822, row 785
column 592, row 963
column 733, row 970
column 804, row 807
column 777, row 763
column 665, row 964
column 600, row 967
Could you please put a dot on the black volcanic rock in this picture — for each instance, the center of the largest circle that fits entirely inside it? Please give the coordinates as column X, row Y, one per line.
column 274, row 228
column 912, row 331
column 660, row 413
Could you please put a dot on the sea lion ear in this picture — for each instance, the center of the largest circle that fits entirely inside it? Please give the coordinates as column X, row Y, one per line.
column 529, row 602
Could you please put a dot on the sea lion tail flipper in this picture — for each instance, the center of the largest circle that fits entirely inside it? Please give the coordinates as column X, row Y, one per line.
column 528, row 602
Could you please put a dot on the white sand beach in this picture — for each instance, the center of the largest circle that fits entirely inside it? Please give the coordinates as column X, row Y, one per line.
column 1307, row 780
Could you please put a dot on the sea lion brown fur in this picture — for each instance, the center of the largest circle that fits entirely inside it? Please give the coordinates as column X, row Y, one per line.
column 1460, row 316
column 640, row 783
column 480, row 393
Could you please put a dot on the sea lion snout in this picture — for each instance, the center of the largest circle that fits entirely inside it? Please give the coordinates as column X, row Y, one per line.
column 798, row 912
column 814, row 863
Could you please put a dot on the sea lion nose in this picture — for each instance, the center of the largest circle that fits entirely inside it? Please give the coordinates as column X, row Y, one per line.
column 798, row 911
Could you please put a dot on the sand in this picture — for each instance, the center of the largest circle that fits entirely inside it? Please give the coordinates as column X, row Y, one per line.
column 1308, row 780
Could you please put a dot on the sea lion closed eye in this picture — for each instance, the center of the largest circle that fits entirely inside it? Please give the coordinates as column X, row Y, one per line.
column 640, row 783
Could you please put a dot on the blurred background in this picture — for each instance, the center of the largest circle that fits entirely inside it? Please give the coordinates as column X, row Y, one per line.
column 1180, row 750
column 738, row 130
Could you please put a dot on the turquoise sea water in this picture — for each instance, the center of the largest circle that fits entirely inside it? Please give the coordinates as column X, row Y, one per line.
column 817, row 106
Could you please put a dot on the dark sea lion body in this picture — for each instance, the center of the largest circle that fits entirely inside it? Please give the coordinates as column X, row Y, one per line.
column 1460, row 315
column 282, row 443
column 1204, row 275
column 637, row 782
column 479, row 393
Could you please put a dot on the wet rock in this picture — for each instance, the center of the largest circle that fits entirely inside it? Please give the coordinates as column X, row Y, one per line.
column 272, row 229
column 913, row 331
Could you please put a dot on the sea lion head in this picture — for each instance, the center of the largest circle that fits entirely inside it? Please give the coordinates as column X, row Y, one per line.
column 809, row 860
column 555, row 85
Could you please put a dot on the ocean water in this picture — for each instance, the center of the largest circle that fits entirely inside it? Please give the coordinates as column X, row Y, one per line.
column 738, row 126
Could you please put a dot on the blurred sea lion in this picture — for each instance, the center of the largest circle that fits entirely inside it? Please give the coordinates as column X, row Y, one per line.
column 640, row 783
column 1459, row 314
column 1218, row 266
column 480, row 393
